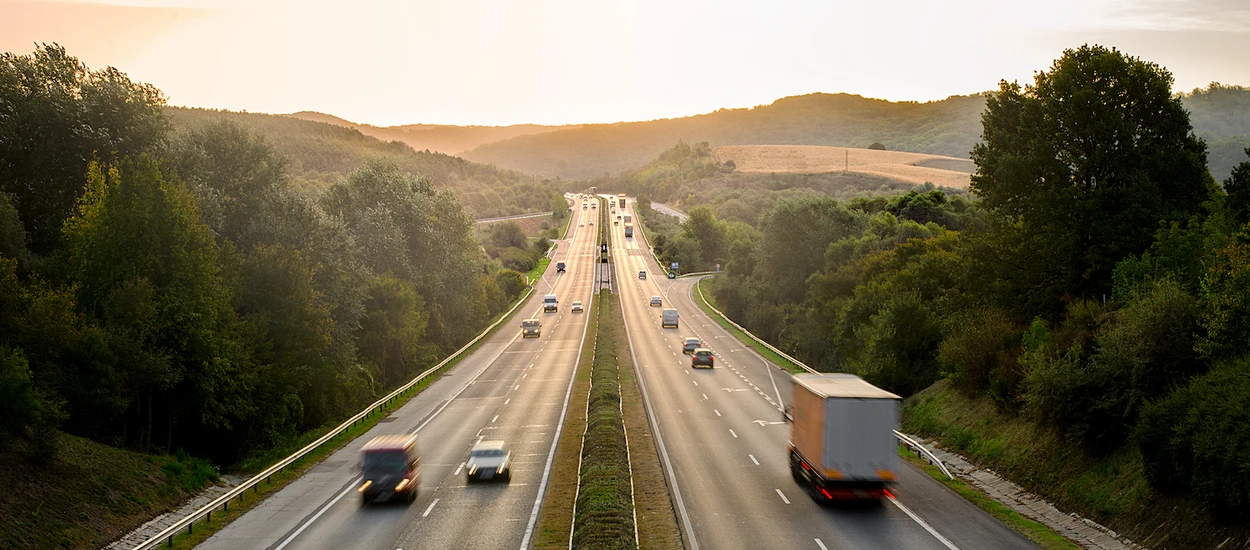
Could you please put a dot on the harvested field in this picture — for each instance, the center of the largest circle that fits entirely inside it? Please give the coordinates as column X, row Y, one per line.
column 914, row 168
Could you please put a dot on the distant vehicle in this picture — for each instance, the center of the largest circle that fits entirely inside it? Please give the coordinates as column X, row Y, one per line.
column 591, row 222
column 616, row 222
column 842, row 442
column 389, row 468
column 576, row 307
column 531, row 328
column 488, row 460
column 668, row 318
column 621, row 198
column 690, row 345
column 594, row 204
column 629, row 230
column 656, row 301
column 560, row 266
column 584, row 206
column 550, row 303
column 642, row 274
column 701, row 356
column 629, row 218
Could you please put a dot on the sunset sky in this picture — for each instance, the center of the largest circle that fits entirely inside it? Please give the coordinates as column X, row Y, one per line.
column 388, row 62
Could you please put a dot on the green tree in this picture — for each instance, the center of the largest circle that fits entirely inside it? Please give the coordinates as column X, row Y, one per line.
column 390, row 331
column 55, row 115
column 793, row 239
column 1081, row 166
column 710, row 233
column 1238, row 188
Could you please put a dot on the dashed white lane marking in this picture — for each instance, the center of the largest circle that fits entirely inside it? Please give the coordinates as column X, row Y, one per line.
column 427, row 510
column 922, row 523
column 518, row 386
column 783, row 496
column 494, row 419
column 820, row 544
column 716, row 411
column 508, row 400
column 458, row 468
column 733, row 433
column 757, row 463
column 705, row 397
column 696, row 382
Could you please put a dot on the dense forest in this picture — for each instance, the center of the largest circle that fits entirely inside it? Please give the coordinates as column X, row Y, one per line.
column 948, row 127
column 319, row 154
column 1097, row 281
column 165, row 283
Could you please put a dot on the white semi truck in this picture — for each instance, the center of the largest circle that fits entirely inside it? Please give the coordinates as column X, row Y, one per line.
column 842, row 443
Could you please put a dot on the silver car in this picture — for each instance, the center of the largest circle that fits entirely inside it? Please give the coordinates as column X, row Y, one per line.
column 489, row 460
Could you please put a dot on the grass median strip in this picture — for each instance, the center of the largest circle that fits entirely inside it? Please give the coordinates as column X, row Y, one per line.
column 768, row 354
column 555, row 520
column 604, row 517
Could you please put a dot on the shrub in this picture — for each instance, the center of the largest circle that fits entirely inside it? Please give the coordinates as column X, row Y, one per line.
column 877, row 146
column 1198, row 439
column 971, row 350
column 516, row 259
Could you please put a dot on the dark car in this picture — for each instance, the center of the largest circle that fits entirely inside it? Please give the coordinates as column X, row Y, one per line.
column 691, row 344
column 701, row 356
column 390, row 469
column 488, row 461
column 642, row 274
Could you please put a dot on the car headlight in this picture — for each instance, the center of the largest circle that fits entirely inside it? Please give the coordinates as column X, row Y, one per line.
column 365, row 486
column 473, row 469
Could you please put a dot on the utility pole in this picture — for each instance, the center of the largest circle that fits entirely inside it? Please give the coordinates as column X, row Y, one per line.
column 848, row 161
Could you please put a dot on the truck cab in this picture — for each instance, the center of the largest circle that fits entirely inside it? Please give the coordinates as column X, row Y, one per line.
column 550, row 303
column 531, row 328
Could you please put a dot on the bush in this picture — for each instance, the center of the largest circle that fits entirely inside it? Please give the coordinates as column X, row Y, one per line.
column 971, row 351
column 877, row 146
column 511, row 283
column 517, row 260
column 1198, row 439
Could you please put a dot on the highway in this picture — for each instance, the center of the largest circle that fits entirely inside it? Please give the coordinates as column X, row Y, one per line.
column 724, row 436
column 511, row 388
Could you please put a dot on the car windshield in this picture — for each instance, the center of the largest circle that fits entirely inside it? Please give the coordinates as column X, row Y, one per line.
column 692, row 341
column 484, row 453
column 384, row 461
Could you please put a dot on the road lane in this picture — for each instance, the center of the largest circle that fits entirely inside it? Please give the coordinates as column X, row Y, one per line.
column 724, row 432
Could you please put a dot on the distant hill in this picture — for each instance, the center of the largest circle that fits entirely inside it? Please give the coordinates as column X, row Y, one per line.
column 913, row 168
column 321, row 153
column 950, row 127
column 434, row 137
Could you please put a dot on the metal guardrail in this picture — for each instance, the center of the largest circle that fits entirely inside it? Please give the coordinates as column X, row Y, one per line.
column 516, row 217
column 223, row 502
column 903, row 438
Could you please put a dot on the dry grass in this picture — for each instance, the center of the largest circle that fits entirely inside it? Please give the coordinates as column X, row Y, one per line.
column 915, row 168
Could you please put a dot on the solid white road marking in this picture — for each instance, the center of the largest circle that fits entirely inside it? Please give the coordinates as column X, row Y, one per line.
column 458, row 468
column 783, row 496
column 757, row 463
column 427, row 510
column 922, row 523
column 350, row 488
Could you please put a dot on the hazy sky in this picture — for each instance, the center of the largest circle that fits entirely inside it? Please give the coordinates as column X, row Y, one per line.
column 391, row 62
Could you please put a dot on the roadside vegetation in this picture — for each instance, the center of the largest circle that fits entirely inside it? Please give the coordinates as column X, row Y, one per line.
column 1097, row 296
column 173, row 291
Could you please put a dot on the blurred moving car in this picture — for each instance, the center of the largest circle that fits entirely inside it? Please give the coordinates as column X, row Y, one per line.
column 389, row 468
column 701, row 356
column 488, row 460
column 577, row 307
column 656, row 301
column 531, row 328
column 691, row 344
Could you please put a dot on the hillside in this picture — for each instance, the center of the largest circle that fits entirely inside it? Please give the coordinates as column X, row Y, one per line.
column 913, row 168
column 321, row 153
column 434, row 137
column 950, row 127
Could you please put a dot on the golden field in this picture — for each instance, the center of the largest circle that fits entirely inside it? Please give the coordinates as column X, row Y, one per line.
column 916, row 168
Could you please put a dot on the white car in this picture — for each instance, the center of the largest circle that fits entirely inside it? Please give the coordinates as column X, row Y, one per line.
column 577, row 307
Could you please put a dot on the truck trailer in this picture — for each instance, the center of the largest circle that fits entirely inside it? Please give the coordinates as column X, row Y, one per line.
column 842, row 443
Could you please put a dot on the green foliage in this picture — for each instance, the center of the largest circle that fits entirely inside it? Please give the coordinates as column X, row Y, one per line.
column 1226, row 293
column 1196, row 439
column 877, row 146
column 1238, row 188
column 793, row 239
column 1077, row 208
column 507, row 234
column 900, row 344
column 976, row 346
column 55, row 116
column 12, row 234
column 17, row 394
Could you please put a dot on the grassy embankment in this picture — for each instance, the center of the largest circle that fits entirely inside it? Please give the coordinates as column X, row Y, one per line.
column 89, row 494
column 249, row 500
column 704, row 299
column 1110, row 489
